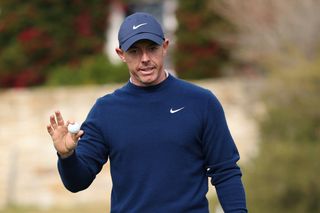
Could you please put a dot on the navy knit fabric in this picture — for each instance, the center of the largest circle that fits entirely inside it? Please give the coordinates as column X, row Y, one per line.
column 163, row 143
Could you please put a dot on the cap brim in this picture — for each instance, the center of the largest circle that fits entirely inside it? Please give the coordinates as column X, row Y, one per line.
column 142, row 36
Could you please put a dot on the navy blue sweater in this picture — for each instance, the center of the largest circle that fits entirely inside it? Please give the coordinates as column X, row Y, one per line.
column 163, row 143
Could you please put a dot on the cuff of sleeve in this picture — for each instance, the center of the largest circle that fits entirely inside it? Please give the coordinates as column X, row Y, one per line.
column 72, row 157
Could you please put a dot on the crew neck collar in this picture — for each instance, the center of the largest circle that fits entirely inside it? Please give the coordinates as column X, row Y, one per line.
column 146, row 89
column 166, row 72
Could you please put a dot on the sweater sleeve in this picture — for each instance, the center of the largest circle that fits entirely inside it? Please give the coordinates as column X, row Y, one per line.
column 221, row 156
column 79, row 170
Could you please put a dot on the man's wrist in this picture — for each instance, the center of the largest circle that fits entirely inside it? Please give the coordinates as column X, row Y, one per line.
column 65, row 155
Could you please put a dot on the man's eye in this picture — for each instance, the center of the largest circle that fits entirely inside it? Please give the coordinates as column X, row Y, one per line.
column 132, row 50
column 153, row 48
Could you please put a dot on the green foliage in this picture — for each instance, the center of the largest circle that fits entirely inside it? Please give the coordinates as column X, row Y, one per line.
column 293, row 102
column 35, row 35
column 201, row 49
column 284, row 177
column 92, row 70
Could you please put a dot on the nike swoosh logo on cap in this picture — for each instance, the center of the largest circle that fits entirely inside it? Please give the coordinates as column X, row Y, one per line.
column 134, row 27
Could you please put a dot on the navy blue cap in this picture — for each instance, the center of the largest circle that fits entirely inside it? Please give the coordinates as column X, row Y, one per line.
column 139, row 26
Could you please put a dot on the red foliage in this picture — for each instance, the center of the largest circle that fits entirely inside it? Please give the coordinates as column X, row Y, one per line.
column 33, row 40
column 2, row 27
column 36, row 36
column 28, row 77
column 193, row 22
column 83, row 24
column 25, row 78
column 28, row 34
column 198, row 53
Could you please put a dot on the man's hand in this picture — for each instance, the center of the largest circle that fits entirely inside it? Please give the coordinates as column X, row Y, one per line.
column 63, row 141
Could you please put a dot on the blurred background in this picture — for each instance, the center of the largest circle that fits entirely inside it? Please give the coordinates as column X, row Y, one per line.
column 260, row 57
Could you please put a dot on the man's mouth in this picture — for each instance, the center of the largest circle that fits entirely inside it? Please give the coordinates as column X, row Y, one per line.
column 147, row 70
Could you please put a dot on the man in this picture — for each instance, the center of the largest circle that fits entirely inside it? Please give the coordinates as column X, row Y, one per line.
column 163, row 136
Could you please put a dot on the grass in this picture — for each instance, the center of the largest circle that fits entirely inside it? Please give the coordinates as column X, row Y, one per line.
column 81, row 208
column 96, row 208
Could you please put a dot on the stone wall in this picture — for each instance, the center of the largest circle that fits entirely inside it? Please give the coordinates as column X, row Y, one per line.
column 28, row 160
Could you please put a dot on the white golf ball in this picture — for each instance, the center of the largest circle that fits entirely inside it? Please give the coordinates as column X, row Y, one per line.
column 74, row 128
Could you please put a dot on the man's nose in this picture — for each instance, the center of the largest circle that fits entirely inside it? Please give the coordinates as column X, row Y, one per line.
column 145, row 57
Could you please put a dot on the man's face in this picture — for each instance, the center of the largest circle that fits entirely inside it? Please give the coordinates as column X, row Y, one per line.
column 145, row 62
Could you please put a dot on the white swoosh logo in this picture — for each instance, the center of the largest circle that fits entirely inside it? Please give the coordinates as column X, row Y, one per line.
column 175, row 110
column 134, row 27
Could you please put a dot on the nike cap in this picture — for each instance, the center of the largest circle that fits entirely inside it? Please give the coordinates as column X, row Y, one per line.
column 139, row 26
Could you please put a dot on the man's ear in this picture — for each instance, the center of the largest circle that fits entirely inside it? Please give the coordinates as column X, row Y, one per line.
column 165, row 45
column 120, row 53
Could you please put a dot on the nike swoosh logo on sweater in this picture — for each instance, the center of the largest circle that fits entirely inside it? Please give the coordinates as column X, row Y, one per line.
column 172, row 111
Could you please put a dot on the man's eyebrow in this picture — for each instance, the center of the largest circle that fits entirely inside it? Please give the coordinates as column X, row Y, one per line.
column 154, row 44
column 148, row 44
column 132, row 47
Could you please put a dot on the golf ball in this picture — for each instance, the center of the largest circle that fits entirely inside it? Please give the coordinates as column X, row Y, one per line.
column 74, row 128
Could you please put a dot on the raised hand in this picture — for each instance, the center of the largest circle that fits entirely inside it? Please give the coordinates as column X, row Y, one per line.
column 63, row 141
